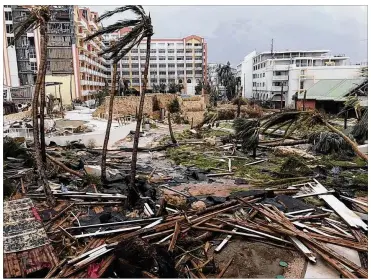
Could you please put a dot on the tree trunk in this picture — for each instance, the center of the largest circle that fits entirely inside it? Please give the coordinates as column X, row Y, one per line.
column 238, row 107
column 348, row 140
column 109, row 122
column 42, row 116
column 38, row 87
column 171, row 129
column 305, row 95
column 345, row 119
column 133, row 191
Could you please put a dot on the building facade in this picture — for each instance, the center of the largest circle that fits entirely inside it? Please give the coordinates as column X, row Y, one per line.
column 265, row 75
column 180, row 61
column 78, row 66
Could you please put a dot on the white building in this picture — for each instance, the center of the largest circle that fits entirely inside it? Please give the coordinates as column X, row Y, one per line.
column 179, row 61
column 265, row 75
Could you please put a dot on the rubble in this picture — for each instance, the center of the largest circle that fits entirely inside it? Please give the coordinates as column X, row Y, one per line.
column 206, row 210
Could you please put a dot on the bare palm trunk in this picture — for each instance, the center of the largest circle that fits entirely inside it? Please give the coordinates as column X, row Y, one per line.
column 348, row 140
column 133, row 191
column 238, row 107
column 305, row 96
column 109, row 122
column 38, row 88
column 171, row 129
column 42, row 116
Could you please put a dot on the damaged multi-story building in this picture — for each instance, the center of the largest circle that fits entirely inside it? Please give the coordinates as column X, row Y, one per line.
column 76, row 65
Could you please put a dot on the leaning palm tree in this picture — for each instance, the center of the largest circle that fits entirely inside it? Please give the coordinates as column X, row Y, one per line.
column 141, row 28
column 38, row 19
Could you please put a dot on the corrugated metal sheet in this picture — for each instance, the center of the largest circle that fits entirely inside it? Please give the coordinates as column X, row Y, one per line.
column 18, row 216
column 106, row 261
column 331, row 89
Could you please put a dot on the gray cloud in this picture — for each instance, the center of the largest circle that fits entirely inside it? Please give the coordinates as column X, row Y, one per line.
column 233, row 31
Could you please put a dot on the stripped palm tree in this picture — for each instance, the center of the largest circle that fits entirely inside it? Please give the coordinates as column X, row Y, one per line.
column 140, row 29
column 38, row 19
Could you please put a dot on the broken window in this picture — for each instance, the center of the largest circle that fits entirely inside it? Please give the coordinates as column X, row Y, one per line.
column 9, row 28
column 33, row 66
column 10, row 41
column 31, row 41
column 8, row 16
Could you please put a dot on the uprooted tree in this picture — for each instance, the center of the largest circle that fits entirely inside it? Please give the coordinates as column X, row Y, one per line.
column 248, row 130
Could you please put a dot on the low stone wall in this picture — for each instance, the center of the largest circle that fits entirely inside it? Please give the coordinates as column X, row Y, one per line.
column 127, row 105
column 18, row 116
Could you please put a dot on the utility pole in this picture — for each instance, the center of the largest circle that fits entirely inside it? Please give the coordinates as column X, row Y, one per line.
column 281, row 95
column 272, row 54
column 244, row 85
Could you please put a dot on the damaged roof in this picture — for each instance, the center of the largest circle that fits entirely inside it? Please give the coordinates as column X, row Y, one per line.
column 332, row 89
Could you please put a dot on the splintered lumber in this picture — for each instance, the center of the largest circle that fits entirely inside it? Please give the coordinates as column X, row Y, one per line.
column 278, row 217
column 161, row 207
column 158, row 228
column 255, row 162
column 220, row 275
column 228, row 232
column 54, row 270
column 175, row 237
column 224, row 242
column 301, row 218
column 155, row 235
column 304, row 249
column 67, row 234
column 218, row 174
column 259, row 233
column 146, row 274
column 175, row 191
column 361, row 247
column 333, row 262
column 64, row 167
column 106, row 232
column 349, row 217
column 197, row 269
column 59, row 214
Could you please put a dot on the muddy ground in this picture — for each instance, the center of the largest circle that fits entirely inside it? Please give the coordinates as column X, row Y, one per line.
column 252, row 259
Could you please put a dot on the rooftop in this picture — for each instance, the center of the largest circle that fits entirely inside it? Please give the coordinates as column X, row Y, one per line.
column 332, row 89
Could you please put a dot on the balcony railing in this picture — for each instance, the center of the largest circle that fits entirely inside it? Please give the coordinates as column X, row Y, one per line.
column 279, row 88
column 282, row 77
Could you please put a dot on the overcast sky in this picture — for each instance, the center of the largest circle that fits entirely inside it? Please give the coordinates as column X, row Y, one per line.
column 232, row 32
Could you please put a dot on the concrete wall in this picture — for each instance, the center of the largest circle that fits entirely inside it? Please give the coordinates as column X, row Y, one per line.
column 65, row 87
column 315, row 74
column 18, row 116
column 309, row 104
column 246, row 75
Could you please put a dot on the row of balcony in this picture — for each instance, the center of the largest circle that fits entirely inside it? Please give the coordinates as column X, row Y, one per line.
column 90, row 82
column 92, row 72
column 92, row 62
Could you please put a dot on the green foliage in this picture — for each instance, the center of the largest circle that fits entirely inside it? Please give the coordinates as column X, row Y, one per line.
column 227, row 79
column 198, row 88
column 364, row 72
column 248, row 131
column 295, row 166
column 360, row 130
column 242, row 101
column 329, row 143
column 174, row 106
column 100, row 97
column 172, row 88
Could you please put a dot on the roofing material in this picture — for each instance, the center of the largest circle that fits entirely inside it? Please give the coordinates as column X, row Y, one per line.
column 332, row 89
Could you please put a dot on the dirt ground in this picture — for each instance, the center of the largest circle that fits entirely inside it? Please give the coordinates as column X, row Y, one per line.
column 258, row 260
column 64, row 123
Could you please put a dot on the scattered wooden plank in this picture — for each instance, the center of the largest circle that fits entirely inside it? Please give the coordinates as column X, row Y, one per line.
column 175, row 237
column 220, row 275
